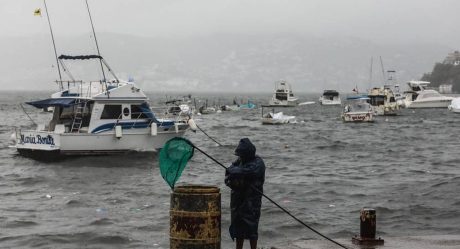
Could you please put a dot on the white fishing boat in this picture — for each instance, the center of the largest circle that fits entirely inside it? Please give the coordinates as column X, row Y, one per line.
column 275, row 118
column 96, row 117
column 330, row 97
column 283, row 95
column 427, row 99
column 358, row 110
column 383, row 101
column 455, row 105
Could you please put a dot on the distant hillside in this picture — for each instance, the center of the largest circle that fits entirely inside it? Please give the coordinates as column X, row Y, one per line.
column 444, row 74
column 221, row 62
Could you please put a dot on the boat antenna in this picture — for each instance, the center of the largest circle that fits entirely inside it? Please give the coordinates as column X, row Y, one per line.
column 97, row 45
column 370, row 73
column 383, row 70
column 54, row 44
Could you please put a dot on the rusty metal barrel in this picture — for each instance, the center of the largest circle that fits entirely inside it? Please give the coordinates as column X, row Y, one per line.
column 368, row 223
column 195, row 217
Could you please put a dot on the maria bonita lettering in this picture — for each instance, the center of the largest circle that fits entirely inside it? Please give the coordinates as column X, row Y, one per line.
column 37, row 139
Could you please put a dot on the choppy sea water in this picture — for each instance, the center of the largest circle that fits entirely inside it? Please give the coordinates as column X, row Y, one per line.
column 322, row 170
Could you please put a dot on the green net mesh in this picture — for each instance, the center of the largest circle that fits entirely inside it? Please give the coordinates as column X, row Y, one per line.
column 173, row 157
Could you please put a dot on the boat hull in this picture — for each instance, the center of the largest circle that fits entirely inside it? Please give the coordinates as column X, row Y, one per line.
column 51, row 145
column 428, row 104
column 326, row 101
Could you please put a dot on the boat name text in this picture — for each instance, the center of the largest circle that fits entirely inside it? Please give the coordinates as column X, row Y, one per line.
column 37, row 139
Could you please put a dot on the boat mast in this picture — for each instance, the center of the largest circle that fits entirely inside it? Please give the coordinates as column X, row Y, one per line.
column 370, row 73
column 97, row 46
column 54, row 44
column 383, row 70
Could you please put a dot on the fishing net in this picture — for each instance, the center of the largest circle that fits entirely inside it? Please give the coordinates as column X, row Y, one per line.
column 173, row 158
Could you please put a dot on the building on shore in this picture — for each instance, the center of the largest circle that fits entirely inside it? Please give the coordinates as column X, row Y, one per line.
column 452, row 58
column 445, row 88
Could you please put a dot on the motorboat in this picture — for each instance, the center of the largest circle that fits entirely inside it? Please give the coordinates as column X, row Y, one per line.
column 283, row 95
column 383, row 101
column 358, row 109
column 455, row 105
column 233, row 107
column 330, row 97
column 96, row 117
column 248, row 105
column 275, row 118
column 205, row 109
column 427, row 99
column 177, row 107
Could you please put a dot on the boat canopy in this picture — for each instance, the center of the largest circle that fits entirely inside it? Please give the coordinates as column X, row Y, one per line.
column 64, row 102
column 331, row 92
column 79, row 57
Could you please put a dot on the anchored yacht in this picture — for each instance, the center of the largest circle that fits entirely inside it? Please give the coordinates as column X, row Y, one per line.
column 97, row 117
column 421, row 97
column 383, row 101
column 283, row 95
column 330, row 97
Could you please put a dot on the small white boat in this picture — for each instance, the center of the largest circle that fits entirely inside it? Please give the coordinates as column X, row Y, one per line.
column 330, row 97
column 275, row 118
column 178, row 107
column 455, row 105
column 283, row 95
column 358, row 110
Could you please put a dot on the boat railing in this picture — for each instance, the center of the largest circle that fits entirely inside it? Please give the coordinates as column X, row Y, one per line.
column 82, row 91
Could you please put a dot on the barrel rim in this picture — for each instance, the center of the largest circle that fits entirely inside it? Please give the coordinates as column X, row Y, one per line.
column 196, row 188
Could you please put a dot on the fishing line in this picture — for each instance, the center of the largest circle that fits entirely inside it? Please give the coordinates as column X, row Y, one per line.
column 276, row 204
column 207, row 136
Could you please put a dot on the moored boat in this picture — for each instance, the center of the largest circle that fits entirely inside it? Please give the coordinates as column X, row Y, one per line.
column 358, row 110
column 383, row 101
column 455, row 105
column 330, row 97
column 283, row 95
column 96, row 117
column 275, row 118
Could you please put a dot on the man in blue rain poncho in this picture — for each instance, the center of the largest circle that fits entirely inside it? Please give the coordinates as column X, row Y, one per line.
column 245, row 177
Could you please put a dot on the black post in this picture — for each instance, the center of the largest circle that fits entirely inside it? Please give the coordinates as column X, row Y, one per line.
column 368, row 223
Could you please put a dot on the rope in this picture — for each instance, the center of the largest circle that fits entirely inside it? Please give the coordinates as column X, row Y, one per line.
column 276, row 204
column 24, row 110
column 207, row 136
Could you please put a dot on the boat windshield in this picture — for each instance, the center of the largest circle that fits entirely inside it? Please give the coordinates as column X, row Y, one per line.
column 281, row 96
column 377, row 100
column 359, row 107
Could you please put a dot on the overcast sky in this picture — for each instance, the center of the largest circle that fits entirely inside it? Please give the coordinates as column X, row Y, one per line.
column 384, row 21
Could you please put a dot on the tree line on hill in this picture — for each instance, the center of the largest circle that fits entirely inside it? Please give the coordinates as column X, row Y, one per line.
column 444, row 74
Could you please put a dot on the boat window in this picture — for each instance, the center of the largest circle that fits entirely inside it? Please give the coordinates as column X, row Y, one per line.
column 136, row 112
column 281, row 96
column 125, row 111
column 377, row 100
column 111, row 112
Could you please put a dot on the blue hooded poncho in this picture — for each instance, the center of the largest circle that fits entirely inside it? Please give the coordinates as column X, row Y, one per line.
column 244, row 177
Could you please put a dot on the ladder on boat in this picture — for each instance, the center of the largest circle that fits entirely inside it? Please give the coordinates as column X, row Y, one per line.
column 78, row 116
